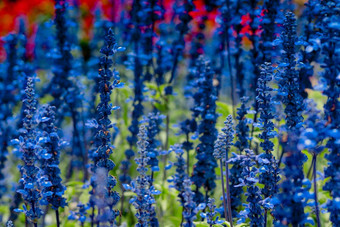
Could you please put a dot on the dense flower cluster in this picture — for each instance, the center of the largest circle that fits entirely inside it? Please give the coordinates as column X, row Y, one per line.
column 144, row 200
column 269, row 169
column 253, row 210
column 103, row 148
column 190, row 208
column 289, row 88
column 154, row 121
column 242, row 128
column 180, row 174
column 31, row 176
column 205, row 107
column 50, row 154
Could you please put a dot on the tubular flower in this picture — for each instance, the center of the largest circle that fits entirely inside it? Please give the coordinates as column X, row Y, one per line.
column 49, row 156
column 224, row 140
column 144, row 200
column 242, row 128
column 31, row 176
column 190, row 209
column 205, row 106
column 268, row 165
column 103, row 148
column 249, row 179
column 180, row 174
column 288, row 76
column 154, row 121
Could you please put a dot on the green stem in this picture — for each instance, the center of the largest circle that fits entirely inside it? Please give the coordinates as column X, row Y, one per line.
column 317, row 210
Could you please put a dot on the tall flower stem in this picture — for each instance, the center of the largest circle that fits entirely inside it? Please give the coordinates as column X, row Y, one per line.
column 57, row 217
column 317, row 210
column 188, row 158
column 228, row 189
column 223, row 193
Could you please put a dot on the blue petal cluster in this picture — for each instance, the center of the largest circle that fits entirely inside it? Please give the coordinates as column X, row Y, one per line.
column 103, row 148
column 180, row 174
column 50, row 155
column 144, row 200
column 224, row 140
column 253, row 209
column 190, row 209
column 154, row 120
column 288, row 76
column 210, row 215
column 31, row 176
column 205, row 107
column 242, row 128
column 268, row 165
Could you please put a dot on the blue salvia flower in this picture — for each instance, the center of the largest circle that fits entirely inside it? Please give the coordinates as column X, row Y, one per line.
column 164, row 60
column 290, row 208
column 269, row 173
column 43, row 43
column 100, row 28
column 8, row 100
column 151, row 12
column 61, row 83
column 314, row 132
column 187, row 127
column 255, row 53
column 103, row 148
column 291, row 200
column 49, row 156
column 242, row 134
column 138, row 99
column 179, row 43
column 154, row 121
column 211, row 213
column 235, row 192
column 269, row 30
column 237, row 10
column 269, row 169
column 221, row 149
column 197, row 49
column 80, row 215
column 311, row 49
column 253, row 209
column 104, row 196
column 328, row 24
column 30, row 172
column 224, row 140
column 190, row 208
column 266, row 50
column 242, row 128
column 205, row 107
column 288, row 76
column 311, row 138
column 223, row 33
column 180, row 174
column 64, row 89
column 144, row 200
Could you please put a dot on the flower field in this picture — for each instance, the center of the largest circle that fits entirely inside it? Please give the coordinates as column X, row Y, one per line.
column 169, row 113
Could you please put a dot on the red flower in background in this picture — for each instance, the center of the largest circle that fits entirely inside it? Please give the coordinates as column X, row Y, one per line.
column 34, row 11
